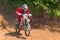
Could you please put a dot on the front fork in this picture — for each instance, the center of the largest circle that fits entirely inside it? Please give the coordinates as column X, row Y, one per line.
column 27, row 25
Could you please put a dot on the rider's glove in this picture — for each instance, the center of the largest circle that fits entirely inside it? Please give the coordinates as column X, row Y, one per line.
column 30, row 14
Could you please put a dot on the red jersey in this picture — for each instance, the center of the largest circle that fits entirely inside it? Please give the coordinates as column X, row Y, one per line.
column 19, row 10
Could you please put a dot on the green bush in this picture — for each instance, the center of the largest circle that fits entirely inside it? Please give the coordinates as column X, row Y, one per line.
column 35, row 6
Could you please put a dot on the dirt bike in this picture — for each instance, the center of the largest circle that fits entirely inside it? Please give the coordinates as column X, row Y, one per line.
column 26, row 25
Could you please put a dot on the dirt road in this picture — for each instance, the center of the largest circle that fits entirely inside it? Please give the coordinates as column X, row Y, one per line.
column 35, row 35
column 7, row 33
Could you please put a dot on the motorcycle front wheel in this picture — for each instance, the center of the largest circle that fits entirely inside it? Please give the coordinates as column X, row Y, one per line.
column 27, row 32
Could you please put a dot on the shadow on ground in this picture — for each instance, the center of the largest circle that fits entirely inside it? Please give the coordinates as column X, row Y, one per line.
column 16, row 35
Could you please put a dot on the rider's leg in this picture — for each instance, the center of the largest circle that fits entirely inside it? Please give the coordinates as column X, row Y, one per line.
column 18, row 25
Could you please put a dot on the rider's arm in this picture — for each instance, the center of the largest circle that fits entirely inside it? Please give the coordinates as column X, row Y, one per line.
column 28, row 12
column 18, row 11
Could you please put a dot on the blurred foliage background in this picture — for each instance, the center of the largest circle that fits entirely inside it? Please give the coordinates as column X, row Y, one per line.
column 37, row 7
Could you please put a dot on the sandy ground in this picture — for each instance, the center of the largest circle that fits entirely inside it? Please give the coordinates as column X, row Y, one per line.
column 35, row 34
